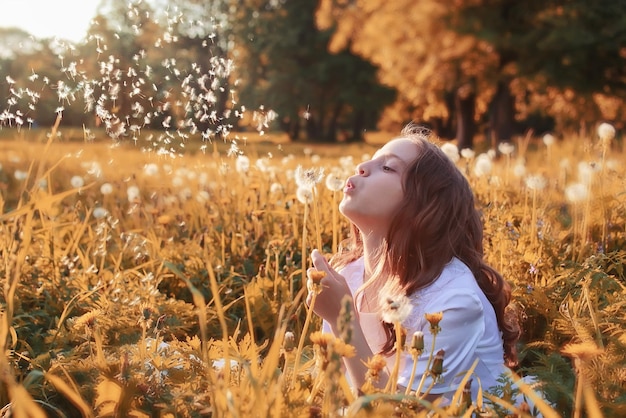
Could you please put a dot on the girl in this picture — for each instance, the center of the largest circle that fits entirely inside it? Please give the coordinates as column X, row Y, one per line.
column 417, row 235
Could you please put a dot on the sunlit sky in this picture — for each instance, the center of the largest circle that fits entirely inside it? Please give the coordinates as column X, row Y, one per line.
column 67, row 19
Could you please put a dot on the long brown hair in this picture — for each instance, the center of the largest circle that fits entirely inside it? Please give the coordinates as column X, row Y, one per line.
column 436, row 221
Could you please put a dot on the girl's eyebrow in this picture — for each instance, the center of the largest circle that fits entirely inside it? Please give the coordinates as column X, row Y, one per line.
column 389, row 155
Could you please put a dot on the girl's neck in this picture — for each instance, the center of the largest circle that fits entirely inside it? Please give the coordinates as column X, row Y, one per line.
column 372, row 244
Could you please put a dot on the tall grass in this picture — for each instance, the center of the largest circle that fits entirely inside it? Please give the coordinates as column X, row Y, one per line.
column 172, row 286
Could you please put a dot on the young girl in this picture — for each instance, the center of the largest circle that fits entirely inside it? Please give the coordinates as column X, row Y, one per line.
column 416, row 234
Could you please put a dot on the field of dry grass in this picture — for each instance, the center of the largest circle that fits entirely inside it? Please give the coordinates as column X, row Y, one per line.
column 131, row 274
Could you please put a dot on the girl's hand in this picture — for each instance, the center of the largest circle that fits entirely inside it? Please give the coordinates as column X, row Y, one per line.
column 334, row 288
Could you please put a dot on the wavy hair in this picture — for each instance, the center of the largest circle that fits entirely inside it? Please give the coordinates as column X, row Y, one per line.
column 436, row 221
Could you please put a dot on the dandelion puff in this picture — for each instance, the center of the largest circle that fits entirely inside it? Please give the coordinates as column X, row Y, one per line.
column 451, row 150
column 468, row 153
column 506, row 148
column 203, row 196
column 308, row 178
column 576, row 192
column 548, row 140
column 106, row 189
column 151, row 169
column 519, row 169
column 585, row 172
column 178, row 181
column 334, row 183
column 262, row 164
column 304, row 195
column 77, row 182
column 395, row 306
column 536, row 182
column 483, row 165
column 347, row 163
column 276, row 188
column 100, row 212
column 133, row 193
column 606, row 132
column 242, row 164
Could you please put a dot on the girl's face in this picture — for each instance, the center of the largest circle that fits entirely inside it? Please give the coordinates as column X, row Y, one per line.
column 372, row 196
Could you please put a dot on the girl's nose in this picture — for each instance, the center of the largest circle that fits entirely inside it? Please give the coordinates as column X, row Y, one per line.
column 361, row 169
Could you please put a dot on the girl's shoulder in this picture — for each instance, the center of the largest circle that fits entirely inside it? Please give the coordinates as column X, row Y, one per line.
column 455, row 288
column 454, row 275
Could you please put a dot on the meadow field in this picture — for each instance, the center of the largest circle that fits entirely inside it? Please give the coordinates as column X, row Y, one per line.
column 158, row 282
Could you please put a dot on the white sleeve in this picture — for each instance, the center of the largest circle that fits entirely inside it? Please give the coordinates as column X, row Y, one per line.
column 462, row 327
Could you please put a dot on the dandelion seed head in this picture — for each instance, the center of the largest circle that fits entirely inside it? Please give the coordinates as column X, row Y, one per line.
column 536, row 182
column 585, row 172
column 483, row 165
column 106, row 188
column 308, row 178
column 133, row 194
column 177, row 181
column 334, row 183
column 304, row 195
column 203, row 196
column 100, row 212
column 151, row 169
column 451, row 151
column 548, row 140
column 468, row 153
column 276, row 188
column 606, row 131
column 77, row 182
column 394, row 305
column 347, row 163
column 519, row 169
column 576, row 192
column 242, row 164
column 506, row 148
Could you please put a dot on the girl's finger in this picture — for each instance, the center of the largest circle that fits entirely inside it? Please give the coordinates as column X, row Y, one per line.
column 319, row 261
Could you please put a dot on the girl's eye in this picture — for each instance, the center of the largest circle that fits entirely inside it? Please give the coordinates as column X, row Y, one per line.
column 387, row 168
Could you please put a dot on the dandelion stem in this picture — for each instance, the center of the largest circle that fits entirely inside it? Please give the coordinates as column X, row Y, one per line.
column 579, row 390
column 304, row 254
column 318, row 234
column 393, row 378
column 430, row 361
column 335, row 231
column 533, row 219
column 305, row 329
column 416, row 355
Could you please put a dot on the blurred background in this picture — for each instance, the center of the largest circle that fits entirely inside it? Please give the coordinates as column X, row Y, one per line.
column 316, row 70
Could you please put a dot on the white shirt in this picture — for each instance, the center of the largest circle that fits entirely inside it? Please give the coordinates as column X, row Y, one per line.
column 469, row 329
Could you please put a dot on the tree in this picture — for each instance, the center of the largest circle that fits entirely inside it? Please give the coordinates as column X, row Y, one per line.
column 440, row 75
column 569, row 51
column 284, row 64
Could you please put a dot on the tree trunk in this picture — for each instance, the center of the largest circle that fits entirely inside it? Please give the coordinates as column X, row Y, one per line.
column 465, row 107
column 358, row 124
column 331, row 133
column 502, row 115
